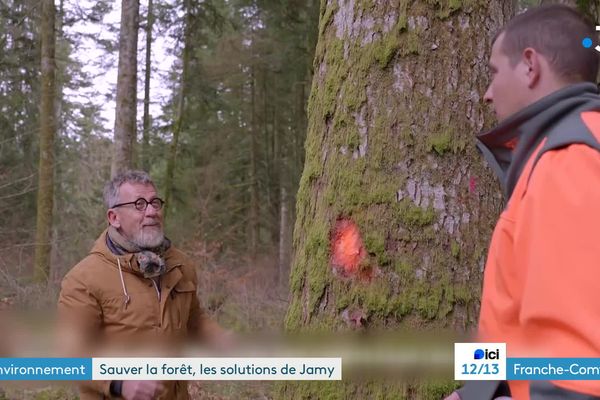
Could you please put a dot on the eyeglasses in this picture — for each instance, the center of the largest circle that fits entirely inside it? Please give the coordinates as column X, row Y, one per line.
column 141, row 204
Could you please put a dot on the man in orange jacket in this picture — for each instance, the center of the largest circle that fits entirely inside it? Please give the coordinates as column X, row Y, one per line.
column 542, row 277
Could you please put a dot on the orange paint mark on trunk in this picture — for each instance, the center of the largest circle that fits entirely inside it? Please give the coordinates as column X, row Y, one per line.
column 347, row 249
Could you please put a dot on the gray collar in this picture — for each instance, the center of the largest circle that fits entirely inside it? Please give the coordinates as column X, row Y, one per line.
column 530, row 126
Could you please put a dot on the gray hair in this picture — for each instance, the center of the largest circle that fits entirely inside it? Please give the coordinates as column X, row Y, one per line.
column 111, row 189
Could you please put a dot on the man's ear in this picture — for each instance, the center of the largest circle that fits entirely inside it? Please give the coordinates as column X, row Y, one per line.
column 532, row 64
column 113, row 218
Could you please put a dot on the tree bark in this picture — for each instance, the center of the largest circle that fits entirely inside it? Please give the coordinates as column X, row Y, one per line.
column 170, row 175
column 145, row 158
column 283, row 233
column 60, row 75
column 125, row 115
column 43, row 237
column 254, row 207
column 395, row 206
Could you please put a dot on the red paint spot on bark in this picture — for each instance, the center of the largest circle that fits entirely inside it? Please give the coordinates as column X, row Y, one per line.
column 347, row 249
column 472, row 184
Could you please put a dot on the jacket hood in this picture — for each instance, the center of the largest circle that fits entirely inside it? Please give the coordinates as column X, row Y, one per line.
column 509, row 145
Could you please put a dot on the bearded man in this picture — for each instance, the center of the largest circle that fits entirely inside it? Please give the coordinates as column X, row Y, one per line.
column 133, row 291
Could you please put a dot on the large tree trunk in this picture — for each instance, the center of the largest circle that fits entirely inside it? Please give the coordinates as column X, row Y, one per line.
column 145, row 157
column 43, row 235
column 395, row 207
column 125, row 115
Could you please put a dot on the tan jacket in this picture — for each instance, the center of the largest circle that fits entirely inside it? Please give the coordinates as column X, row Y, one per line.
column 102, row 306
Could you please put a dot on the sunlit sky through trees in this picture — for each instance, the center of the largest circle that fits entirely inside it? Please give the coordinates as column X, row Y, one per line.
column 97, row 48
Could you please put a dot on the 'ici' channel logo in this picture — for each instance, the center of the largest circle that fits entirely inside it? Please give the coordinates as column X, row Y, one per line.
column 486, row 354
column 588, row 42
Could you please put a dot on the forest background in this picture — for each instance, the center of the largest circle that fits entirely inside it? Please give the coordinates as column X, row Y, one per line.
column 223, row 132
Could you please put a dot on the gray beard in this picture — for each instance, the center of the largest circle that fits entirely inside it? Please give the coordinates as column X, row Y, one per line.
column 148, row 240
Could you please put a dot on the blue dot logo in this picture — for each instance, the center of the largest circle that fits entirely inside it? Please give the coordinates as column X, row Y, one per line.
column 479, row 354
column 587, row 42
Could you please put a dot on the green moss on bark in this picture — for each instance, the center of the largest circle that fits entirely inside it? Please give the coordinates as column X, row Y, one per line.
column 412, row 215
column 441, row 143
column 327, row 17
column 455, row 249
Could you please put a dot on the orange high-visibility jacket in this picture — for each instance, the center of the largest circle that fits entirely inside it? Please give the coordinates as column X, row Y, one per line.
column 541, row 289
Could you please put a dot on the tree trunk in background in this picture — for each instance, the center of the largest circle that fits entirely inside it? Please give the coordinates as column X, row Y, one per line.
column 254, row 211
column 145, row 157
column 60, row 74
column 283, row 233
column 125, row 115
column 270, row 180
column 285, row 177
column 43, row 235
column 180, row 110
column 395, row 207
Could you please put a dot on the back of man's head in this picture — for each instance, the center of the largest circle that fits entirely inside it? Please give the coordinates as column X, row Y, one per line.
column 555, row 31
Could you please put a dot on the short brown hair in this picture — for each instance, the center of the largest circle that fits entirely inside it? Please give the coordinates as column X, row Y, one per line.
column 556, row 31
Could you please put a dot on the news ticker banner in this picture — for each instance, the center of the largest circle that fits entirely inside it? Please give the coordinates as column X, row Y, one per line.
column 472, row 361
column 488, row 362
column 197, row 369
